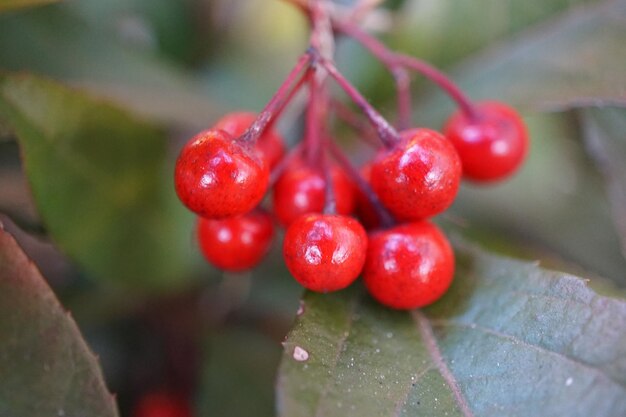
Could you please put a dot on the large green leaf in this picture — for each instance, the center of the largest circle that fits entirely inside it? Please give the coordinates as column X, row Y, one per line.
column 58, row 42
column 509, row 339
column 603, row 131
column 101, row 182
column 47, row 369
column 444, row 31
column 578, row 58
column 18, row 4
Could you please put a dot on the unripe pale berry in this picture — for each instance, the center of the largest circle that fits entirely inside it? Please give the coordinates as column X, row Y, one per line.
column 216, row 177
column 493, row 145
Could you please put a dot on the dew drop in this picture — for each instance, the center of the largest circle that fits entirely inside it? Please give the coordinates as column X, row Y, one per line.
column 569, row 381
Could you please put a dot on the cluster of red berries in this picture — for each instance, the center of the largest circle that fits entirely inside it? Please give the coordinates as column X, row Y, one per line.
column 223, row 174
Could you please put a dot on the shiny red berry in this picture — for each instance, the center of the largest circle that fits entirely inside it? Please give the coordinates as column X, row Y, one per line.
column 493, row 145
column 364, row 209
column 419, row 177
column 270, row 147
column 325, row 252
column 215, row 177
column 162, row 404
column 408, row 266
column 302, row 189
column 236, row 243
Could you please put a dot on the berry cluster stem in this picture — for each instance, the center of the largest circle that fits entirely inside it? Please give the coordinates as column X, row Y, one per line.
column 386, row 219
column 393, row 61
column 352, row 119
column 387, row 133
column 278, row 101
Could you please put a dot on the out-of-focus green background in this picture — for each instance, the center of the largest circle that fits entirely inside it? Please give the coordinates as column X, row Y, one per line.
column 130, row 272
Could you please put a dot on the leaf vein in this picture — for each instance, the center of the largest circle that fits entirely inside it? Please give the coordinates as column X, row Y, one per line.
column 516, row 340
column 426, row 332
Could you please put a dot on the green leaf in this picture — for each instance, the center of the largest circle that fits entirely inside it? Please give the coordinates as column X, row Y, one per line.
column 576, row 59
column 101, row 182
column 56, row 41
column 509, row 339
column 444, row 31
column 47, row 369
column 604, row 129
column 18, row 4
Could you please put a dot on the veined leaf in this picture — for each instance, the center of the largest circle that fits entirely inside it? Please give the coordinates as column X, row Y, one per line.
column 604, row 133
column 576, row 59
column 100, row 182
column 509, row 339
column 57, row 42
column 46, row 368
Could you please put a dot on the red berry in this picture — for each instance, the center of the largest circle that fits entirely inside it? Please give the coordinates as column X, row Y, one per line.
column 493, row 146
column 325, row 252
column 270, row 147
column 236, row 243
column 419, row 177
column 364, row 209
column 408, row 266
column 162, row 404
column 215, row 177
column 301, row 190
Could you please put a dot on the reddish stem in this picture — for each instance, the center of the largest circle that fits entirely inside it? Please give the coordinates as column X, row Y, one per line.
column 462, row 100
column 386, row 219
column 291, row 95
column 312, row 124
column 353, row 120
column 387, row 133
column 392, row 60
column 277, row 103
column 330, row 201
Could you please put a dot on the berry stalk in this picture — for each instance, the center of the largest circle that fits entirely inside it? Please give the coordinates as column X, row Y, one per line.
column 353, row 120
column 387, row 133
column 393, row 60
column 278, row 101
column 386, row 219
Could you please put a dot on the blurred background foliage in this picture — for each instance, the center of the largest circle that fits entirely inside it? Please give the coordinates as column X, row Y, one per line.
column 138, row 77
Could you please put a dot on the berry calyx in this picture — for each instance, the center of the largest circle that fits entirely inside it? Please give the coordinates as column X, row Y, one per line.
column 302, row 189
column 419, row 177
column 237, row 243
column 492, row 145
column 408, row 266
column 325, row 252
column 162, row 404
column 215, row 177
column 270, row 147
